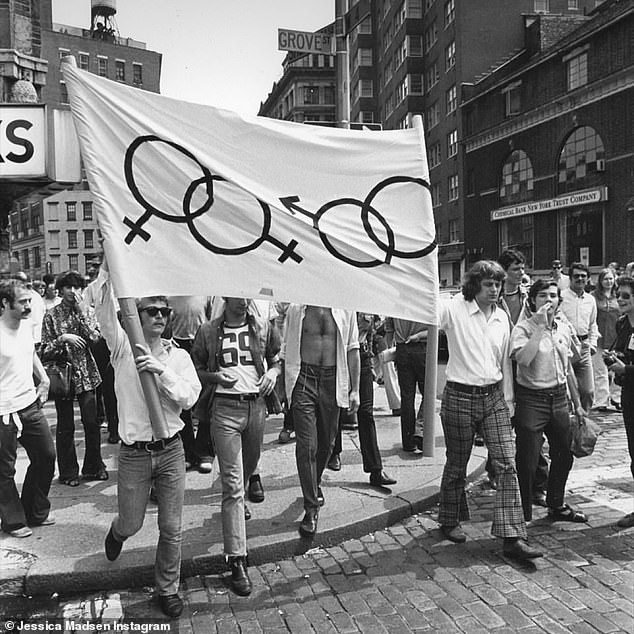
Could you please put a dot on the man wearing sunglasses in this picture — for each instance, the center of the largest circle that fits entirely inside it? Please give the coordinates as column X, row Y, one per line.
column 580, row 309
column 143, row 460
column 563, row 281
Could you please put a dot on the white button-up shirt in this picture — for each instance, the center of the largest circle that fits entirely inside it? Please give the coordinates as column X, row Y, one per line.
column 478, row 347
column 581, row 312
column 347, row 339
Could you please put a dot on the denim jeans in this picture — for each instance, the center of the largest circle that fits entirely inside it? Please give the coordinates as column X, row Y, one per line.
column 33, row 506
column 410, row 368
column 165, row 470
column 365, row 417
column 539, row 412
column 585, row 376
column 65, row 436
column 238, row 429
column 316, row 416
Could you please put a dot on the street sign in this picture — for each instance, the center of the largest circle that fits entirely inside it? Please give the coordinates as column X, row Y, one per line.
column 22, row 141
column 304, row 42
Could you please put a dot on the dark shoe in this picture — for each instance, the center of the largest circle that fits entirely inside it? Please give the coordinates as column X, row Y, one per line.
column 334, row 464
column 171, row 605
column 47, row 521
column 320, row 497
column 617, row 406
column 240, row 582
column 308, row 526
column 410, row 449
column 517, row 548
column 566, row 513
column 205, row 465
column 418, row 442
column 349, row 426
column 247, row 513
column 454, row 534
column 539, row 499
column 478, row 441
column 71, row 482
column 381, row 479
column 255, row 492
column 286, row 435
column 102, row 474
column 113, row 439
column 627, row 521
column 113, row 546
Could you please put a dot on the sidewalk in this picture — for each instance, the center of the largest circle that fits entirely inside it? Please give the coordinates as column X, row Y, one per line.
column 68, row 557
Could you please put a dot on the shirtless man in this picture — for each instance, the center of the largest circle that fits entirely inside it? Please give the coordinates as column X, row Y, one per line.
column 322, row 374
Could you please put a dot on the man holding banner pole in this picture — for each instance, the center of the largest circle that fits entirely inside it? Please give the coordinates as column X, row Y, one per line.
column 148, row 457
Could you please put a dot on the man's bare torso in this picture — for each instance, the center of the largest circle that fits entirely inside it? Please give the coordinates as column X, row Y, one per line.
column 319, row 337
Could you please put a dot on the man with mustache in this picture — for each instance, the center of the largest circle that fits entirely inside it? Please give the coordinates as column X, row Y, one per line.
column 21, row 417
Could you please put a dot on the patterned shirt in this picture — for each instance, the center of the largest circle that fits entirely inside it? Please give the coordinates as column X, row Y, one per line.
column 65, row 319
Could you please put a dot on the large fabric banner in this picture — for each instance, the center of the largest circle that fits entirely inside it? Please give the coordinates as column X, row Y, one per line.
column 195, row 200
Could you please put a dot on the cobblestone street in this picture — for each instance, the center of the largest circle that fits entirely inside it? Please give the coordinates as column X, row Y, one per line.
column 405, row 578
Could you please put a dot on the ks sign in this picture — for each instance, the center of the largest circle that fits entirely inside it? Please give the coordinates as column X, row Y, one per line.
column 22, row 141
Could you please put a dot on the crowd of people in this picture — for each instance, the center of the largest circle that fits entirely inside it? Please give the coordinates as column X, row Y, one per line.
column 523, row 359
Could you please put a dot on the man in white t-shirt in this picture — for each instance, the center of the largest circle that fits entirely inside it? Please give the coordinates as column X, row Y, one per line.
column 21, row 417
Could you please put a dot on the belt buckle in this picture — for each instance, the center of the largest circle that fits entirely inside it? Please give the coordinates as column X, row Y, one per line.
column 156, row 445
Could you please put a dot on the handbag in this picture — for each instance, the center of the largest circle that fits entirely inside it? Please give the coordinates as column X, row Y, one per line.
column 584, row 433
column 60, row 374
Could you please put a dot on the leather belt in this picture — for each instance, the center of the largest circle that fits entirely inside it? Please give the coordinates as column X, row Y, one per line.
column 473, row 389
column 250, row 396
column 151, row 445
column 545, row 391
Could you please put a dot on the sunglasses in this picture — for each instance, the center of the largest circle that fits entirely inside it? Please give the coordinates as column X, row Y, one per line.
column 624, row 295
column 557, row 267
column 579, row 275
column 153, row 311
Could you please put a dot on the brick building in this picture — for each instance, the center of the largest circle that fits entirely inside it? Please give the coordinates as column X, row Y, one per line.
column 548, row 144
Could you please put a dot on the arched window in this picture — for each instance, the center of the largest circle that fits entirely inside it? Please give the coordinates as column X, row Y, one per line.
column 517, row 178
column 581, row 160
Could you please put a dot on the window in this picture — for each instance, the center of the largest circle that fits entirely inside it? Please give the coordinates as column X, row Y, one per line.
column 435, row 155
column 414, row 8
column 452, row 99
column 450, row 12
column 430, row 37
column 25, row 259
column 366, row 116
column 53, row 239
column 415, row 84
column 72, row 239
column 542, row 6
column 432, row 76
column 582, row 158
column 435, row 195
column 450, row 56
column 512, row 100
column 53, row 211
column 364, row 57
column 137, row 74
column 329, row 95
column 73, row 261
column 365, row 26
column 452, row 143
column 577, row 70
column 84, row 61
column 86, row 207
column 37, row 257
column 573, row 4
column 433, row 115
column 517, row 178
column 63, row 52
column 63, row 92
column 55, row 264
column 452, row 187
column 119, row 70
column 88, row 238
column 71, row 211
column 311, row 95
column 453, row 231
column 415, row 45
column 366, row 88
column 102, row 66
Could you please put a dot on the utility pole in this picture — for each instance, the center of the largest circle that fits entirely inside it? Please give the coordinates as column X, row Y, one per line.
column 343, row 67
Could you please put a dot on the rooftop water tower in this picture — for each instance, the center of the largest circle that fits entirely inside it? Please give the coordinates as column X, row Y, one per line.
column 103, row 25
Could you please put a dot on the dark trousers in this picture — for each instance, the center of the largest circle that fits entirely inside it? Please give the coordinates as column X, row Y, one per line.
column 65, row 436
column 105, row 392
column 316, row 416
column 365, row 417
column 539, row 412
column 627, row 403
column 33, row 506
column 410, row 369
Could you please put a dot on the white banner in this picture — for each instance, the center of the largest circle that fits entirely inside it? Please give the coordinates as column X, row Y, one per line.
column 194, row 200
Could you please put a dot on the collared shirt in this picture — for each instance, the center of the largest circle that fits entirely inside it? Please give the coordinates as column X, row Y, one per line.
column 515, row 305
column 65, row 319
column 178, row 385
column 582, row 314
column 403, row 328
column 189, row 312
column 37, row 315
column 347, row 339
column 549, row 366
column 478, row 348
column 17, row 390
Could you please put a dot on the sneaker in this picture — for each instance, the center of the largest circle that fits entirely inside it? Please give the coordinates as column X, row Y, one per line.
column 205, row 465
column 627, row 521
column 23, row 531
